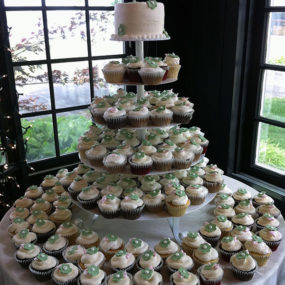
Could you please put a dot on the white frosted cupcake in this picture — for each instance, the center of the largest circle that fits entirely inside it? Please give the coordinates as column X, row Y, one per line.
column 115, row 117
column 162, row 160
column 161, row 116
column 196, row 193
column 183, row 276
column 191, row 242
column 139, row 117
column 136, row 246
column 140, row 163
column 123, row 260
column 24, row 236
column 96, row 154
column 148, row 277
column 114, row 71
column 92, row 257
column 132, row 207
column 115, row 162
column 109, row 206
column 154, row 200
column 55, row 245
column 88, row 238
column 166, row 247
column 66, row 273
column 177, row 260
column 88, row 197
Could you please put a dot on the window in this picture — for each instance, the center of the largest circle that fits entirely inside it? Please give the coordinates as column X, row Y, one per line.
column 262, row 151
column 58, row 49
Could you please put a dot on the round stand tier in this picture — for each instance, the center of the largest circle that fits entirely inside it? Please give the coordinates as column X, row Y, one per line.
column 126, row 82
column 127, row 170
column 115, row 37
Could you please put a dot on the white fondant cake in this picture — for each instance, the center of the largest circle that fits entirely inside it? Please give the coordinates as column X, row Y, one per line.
column 138, row 21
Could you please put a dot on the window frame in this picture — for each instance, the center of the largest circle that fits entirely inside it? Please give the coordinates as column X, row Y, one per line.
column 64, row 159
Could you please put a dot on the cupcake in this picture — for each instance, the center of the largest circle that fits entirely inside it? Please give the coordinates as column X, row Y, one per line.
column 202, row 141
column 150, row 259
column 109, row 206
column 241, row 195
column 125, row 149
column 63, row 201
column 136, row 246
column 48, row 182
column 115, row 162
column 109, row 140
column 149, row 184
column 193, row 147
column 166, row 247
column 224, row 199
column 266, row 220
column 242, row 233
column 211, row 233
column 114, row 72
column 23, row 202
column 182, row 158
column 87, row 238
column 92, row 275
column 81, row 168
column 19, row 213
column 34, row 192
column 211, row 274
column 261, row 199
column 42, row 266
column 84, row 143
column 110, row 244
column 271, row 236
column 120, row 278
column 150, row 73
column 76, row 186
column 88, row 197
column 50, row 195
column 162, row 160
column 61, row 173
column 17, row 225
column 139, row 116
column 224, row 225
column 37, row 214
column 191, row 242
column 60, row 215
column 177, row 203
column 192, row 179
column 154, row 201
column 224, row 189
column 68, row 230
column 169, row 145
column 132, row 207
column 182, row 112
column 140, row 163
column 229, row 246
column 243, row 265
column 154, row 139
column 115, row 117
column 225, row 210
column 73, row 253
column 205, row 254
column 26, row 253
column 172, row 187
column 113, row 189
column 270, row 209
column 97, row 111
column 41, row 204
column 213, row 181
column 196, row 193
column 177, row 260
column 243, row 219
column 133, row 190
column 169, row 178
column 161, row 116
column 258, row 249
column 134, row 64
column 92, row 257
column 24, row 236
column 183, row 276
column 122, row 260
column 96, row 154
column 147, row 147
column 91, row 175
column 173, row 61
column 55, row 245
column 69, row 177
column 43, row 229
column 65, row 274
column 148, row 277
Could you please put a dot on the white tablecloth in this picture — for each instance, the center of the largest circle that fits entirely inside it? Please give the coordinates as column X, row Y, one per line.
column 151, row 231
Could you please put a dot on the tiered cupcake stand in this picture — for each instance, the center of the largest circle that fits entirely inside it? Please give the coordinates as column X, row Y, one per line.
column 174, row 222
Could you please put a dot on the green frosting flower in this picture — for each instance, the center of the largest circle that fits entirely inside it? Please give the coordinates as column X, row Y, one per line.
column 261, row 194
column 154, row 193
column 205, row 247
column 40, row 222
column 23, row 233
column 121, row 30
column 241, row 215
column 192, row 175
column 242, row 191
column 107, row 138
column 50, row 191
column 151, row 136
column 257, row 238
column 134, row 197
column 139, row 155
column 178, row 149
column 242, row 255
column 221, row 218
column 121, row 253
column 147, row 255
column 118, row 276
column 210, row 266
column 101, row 104
column 169, row 142
column 160, row 131
column 223, row 196
column 40, row 201
column 184, row 273
column 86, row 189
column 53, row 238
column 136, row 242
column 33, row 187
column 244, row 203
column 29, row 246
column 100, row 179
column 170, row 176
column 130, row 190
column 270, row 228
column 267, row 216
column 173, row 55
column 65, row 269
column 194, row 169
column 227, row 239
column 241, row 228
column 192, row 235
column 92, row 250
column 72, row 250
column 210, row 228
column 86, row 232
column 18, row 220
column 49, row 177
column 151, row 63
column 149, row 178
column 161, row 108
column 193, row 129
column 225, row 206
column 146, row 274
column 57, row 183
column 111, row 196
column 112, row 237
column 177, row 256
column 67, row 224
column 180, row 193
column 164, row 243
column 42, row 257
column 20, row 210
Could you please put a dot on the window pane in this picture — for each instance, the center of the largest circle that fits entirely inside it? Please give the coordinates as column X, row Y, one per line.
column 71, row 125
column 276, row 39
column 270, row 151
column 25, row 4
column 40, row 137
column 67, row 34
column 32, row 85
column 26, row 41
column 277, row 3
column 101, row 87
column 71, row 84
column 103, row 2
column 65, row 3
column 273, row 99
column 101, row 28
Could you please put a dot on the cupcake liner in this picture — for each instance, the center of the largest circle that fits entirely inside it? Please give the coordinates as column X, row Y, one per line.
column 96, row 161
column 69, row 282
column 181, row 163
column 132, row 214
column 177, row 211
column 243, row 275
column 24, row 262
column 112, row 76
column 139, row 122
column 42, row 275
column 42, row 237
column 273, row 244
column 260, row 259
column 104, row 281
column 162, row 165
column 187, row 249
column 115, row 168
column 155, row 208
column 213, row 187
column 140, row 169
column 117, row 122
column 161, row 120
column 73, row 193
column 211, row 240
column 173, row 71
column 151, row 78
column 98, row 118
column 196, row 200
column 128, row 269
column 157, row 268
column 88, row 204
column 182, row 118
column 133, row 75
column 33, row 241
column 82, row 156
column 109, row 214
column 204, row 281
column 56, row 253
column 226, row 255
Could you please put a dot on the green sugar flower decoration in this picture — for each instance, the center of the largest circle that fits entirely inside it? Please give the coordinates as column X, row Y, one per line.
column 121, row 253
column 29, row 246
column 210, row 266
column 121, row 30
column 67, row 224
column 154, row 193
column 118, row 276
column 161, row 108
column 267, row 216
column 227, row 239
column 92, row 250
column 271, row 228
column 40, row 222
column 147, row 255
column 110, row 196
column 130, row 190
column 244, row 203
column 173, row 55
column 136, row 242
column 53, row 239
column 49, row 177
column 241, row 215
column 242, row 191
column 180, row 193
column 170, row 176
column 101, row 104
column 241, row 228
column 33, row 187
column 146, row 274
column 242, row 255
column 192, row 235
column 149, row 178
column 194, row 169
column 65, row 269
column 225, row 206
column 40, row 201
column 139, row 155
column 164, row 243
column 151, row 63
column 50, row 191
column 169, row 142
column 205, row 247
column 183, row 272
column 177, row 256
column 223, row 196
column 18, row 220
column 192, row 175
column 86, row 232
column 261, row 194
column 42, row 257
column 86, row 189
column 72, row 250
column 257, row 238
column 20, row 210
column 93, row 270
column 112, row 237
column 100, row 179
column 23, row 233
column 134, row 197
column 221, row 218
column 210, row 228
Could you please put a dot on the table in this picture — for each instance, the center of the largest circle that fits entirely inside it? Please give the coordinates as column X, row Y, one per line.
column 151, row 231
